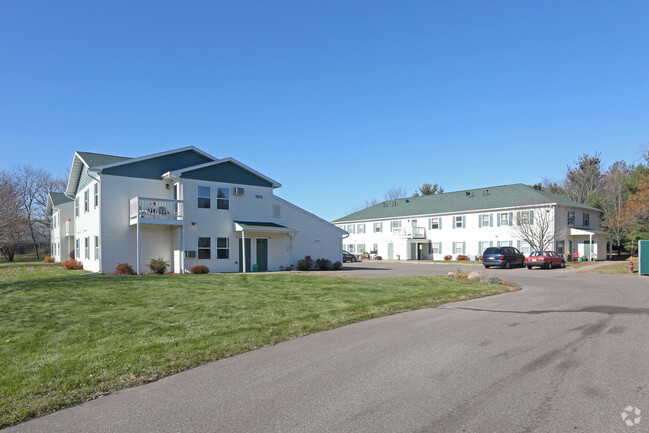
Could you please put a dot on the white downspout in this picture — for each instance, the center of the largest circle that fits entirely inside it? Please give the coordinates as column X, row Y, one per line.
column 137, row 261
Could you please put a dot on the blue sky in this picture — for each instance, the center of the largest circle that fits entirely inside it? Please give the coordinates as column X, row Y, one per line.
column 336, row 100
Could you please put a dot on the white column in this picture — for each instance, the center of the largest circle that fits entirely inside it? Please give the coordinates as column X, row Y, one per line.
column 243, row 250
column 137, row 261
column 591, row 248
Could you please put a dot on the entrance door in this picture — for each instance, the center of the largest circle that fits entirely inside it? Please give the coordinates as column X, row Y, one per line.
column 587, row 249
column 248, row 255
column 262, row 255
column 413, row 251
column 390, row 251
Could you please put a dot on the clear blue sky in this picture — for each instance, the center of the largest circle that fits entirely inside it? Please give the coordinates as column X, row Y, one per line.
column 336, row 100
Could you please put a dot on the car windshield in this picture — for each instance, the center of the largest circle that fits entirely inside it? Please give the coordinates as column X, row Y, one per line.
column 539, row 254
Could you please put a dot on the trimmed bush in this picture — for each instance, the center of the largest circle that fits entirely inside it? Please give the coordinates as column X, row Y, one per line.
column 158, row 266
column 49, row 259
column 448, row 257
column 305, row 264
column 323, row 264
column 199, row 269
column 337, row 265
column 124, row 269
column 72, row 265
column 462, row 257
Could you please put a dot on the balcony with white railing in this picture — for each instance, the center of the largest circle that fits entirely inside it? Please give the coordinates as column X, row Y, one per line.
column 410, row 232
column 146, row 210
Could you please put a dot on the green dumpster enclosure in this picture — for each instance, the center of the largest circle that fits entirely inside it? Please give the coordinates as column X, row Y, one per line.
column 643, row 257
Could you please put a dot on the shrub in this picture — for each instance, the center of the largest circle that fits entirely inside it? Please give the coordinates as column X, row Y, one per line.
column 448, row 257
column 49, row 259
column 72, row 265
column 124, row 269
column 337, row 265
column 199, row 269
column 323, row 264
column 462, row 257
column 305, row 264
column 158, row 266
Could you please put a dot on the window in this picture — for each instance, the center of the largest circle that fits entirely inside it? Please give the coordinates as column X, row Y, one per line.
column 360, row 228
column 76, row 206
column 413, row 223
column 96, row 247
column 277, row 211
column 459, row 222
column 571, row 218
column 435, row 223
column 223, row 248
column 395, row 225
column 375, row 248
column 96, row 194
column 504, row 219
column 435, row 248
column 86, row 245
column 204, row 197
column 459, row 247
column 361, row 248
column 350, row 248
column 223, row 198
column 86, row 204
column 526, row 217
column 378, row 227
column 351, row 229
column 77, row 249
column 484, row 220
column 560, row 247
column 586, row 219
column 205, row 248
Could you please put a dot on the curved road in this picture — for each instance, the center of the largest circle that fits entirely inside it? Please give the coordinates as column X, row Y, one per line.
column 568, row 353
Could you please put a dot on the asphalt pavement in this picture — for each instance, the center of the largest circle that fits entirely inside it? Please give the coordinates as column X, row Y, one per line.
column 567, row 353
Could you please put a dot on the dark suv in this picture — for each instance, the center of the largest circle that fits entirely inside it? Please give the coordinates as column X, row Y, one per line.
column 502, row 256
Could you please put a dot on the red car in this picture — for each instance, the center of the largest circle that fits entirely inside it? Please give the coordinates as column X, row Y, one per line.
column 544, row 259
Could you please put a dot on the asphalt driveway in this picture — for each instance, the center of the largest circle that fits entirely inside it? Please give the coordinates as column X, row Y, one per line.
column 567, row 353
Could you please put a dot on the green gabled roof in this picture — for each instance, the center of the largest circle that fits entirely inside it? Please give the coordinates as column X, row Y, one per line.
column 99, row 159
column 58, row 198
column 493, row 197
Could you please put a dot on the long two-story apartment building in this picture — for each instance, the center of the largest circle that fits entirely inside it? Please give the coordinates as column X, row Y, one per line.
column 186, row 207
column 467, row 222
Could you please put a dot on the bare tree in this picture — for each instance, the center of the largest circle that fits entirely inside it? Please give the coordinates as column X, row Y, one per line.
column 365, row 205
column 12, row 223
column 615, row 192
column 32, row 186
column 535, row 226
column 394, row 193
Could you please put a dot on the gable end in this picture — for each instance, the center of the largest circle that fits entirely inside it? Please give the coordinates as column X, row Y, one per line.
column 226, row 172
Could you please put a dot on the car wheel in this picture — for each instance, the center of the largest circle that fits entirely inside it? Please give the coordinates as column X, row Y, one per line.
column 562, row 265
column 353, row 259
column 486, row 267
column 529, row 267
column 549, row 265
column 507, row 265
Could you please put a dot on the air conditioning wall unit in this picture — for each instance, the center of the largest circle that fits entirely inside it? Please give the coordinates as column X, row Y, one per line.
column 238, row 190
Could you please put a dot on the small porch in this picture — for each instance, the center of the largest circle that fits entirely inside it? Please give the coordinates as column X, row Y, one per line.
column 255, row 245
column 590, row 244
column 145, row 210
column 410, row 232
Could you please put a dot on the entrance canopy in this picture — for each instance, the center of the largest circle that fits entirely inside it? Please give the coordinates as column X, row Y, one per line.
column 585, row 232
column 261, row 227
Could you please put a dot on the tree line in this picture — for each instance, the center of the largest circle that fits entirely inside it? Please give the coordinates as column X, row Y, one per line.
column 24, row 224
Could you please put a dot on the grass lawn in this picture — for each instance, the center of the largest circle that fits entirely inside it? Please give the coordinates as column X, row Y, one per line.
column 66, row 338
column 618, row 268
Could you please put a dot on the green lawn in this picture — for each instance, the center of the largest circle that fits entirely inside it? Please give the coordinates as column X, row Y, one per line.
column 66, row 338
column 618, row 268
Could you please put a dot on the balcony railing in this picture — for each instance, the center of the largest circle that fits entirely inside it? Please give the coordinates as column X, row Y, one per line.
column 156, row 211
column 410, row 232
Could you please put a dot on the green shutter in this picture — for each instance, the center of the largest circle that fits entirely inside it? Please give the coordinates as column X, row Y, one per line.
column 480, row 247
column 453, row 252
column 498, row 219
column 531, row 217
column 491, row 220
column 464, row 221
column 453, row 221
column 511, row 218
column 440, row 227
column 464, row 248
column 479, row 220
